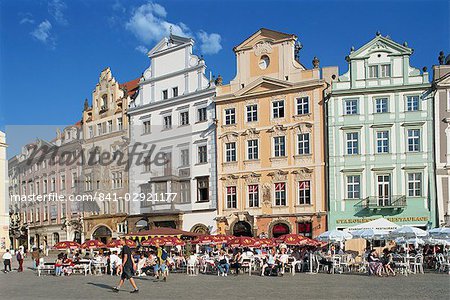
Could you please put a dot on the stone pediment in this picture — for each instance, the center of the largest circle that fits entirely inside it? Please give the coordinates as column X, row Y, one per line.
column 263, row 84
column 380, row 44
column 261, row 36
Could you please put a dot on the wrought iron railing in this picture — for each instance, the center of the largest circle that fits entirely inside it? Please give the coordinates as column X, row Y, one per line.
column 382, row 202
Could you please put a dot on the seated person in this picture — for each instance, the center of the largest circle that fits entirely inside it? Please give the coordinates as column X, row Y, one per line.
column 223, row 263
column 236, row 262
column 282, row 259
column 324, row 261
column 270, row 262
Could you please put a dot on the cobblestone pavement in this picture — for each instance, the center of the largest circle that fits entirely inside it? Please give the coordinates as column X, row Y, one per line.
column 28, row 285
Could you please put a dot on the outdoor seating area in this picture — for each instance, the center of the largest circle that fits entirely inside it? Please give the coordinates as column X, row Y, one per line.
column 406, row 251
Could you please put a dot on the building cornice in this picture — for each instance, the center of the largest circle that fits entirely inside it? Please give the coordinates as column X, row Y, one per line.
column 208, row 92
column 173, row 74
column 297, row 86
column 383, row 89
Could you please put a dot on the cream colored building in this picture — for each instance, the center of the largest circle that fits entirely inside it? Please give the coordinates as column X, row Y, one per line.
column 270, row 133
column 4, row 207
column 105, row 131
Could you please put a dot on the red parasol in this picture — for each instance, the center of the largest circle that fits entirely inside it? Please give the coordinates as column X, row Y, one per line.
column 266, row 242
column 293, row 239
column 118, row 243
column 162, row 241
column 243, row 241
column 211, row 239
column 92, row 244
column 66, row 245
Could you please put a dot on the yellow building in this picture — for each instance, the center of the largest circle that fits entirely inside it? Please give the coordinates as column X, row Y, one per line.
column 270, row 133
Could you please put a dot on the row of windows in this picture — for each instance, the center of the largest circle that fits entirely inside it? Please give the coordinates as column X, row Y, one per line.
column 279, row 195
column 105, row 127
column 413, row 142
column 35, row 187
column 116, row 179
column 384, row 186
column 381, row 105
column 165, row 93
column 202, row 158
column 183, row 120
column 278, row 110
column 379, row 71
column 279, row 147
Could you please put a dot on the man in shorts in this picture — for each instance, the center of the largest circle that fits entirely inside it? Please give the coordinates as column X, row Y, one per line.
column 128, row 268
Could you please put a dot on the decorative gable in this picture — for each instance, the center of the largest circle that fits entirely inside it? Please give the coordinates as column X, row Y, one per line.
column 263, row 84
column 261, row 36
column 380, row 44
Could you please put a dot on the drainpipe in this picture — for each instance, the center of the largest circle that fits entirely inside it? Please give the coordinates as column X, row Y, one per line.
column 326, row 152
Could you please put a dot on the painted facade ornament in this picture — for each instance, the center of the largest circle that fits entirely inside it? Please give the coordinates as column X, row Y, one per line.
column 262, row 48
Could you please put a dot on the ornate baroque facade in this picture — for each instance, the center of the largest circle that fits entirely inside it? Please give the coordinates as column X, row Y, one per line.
column 271, row 161
column 380, row 139
column 174, row 113
column 105, row 130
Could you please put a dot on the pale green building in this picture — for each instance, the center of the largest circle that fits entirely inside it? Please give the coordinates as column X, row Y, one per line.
column 380, row 139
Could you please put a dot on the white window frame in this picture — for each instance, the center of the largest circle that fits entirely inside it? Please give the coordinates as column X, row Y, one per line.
column 410, row 105
column 230, row 152
column 351, row 142
column 384, row 140
column 229, row 116
column 412, row 139
column 230, row 193
column 353, row 108
column 253, row 196
column 417, row 186
column 279, row 193
column 304, row 145
column 304, row 198
column 279, row 149
column 253, row 149
column 381, row 99
column 356, row 186
column 279, row 109
column 303, row 108
column 253, row 113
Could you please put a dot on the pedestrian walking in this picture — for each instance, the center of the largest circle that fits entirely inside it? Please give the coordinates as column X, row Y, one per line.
column 19, row 256
column 128, row 268
column 7, row 261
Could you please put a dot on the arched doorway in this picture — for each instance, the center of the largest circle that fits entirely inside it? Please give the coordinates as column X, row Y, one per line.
column 242, row 228
column 280, row 229
column 102, row 233
column 200, row 228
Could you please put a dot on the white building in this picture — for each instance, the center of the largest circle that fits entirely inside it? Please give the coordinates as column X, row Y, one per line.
column 174, row 113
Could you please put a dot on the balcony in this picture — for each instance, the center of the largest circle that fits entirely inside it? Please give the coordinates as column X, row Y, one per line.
column 377, row 202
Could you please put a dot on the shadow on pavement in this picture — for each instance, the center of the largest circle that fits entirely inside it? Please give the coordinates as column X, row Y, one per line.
column 101, row 285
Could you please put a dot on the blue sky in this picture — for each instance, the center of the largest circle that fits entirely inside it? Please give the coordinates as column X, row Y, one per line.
column 51, row 52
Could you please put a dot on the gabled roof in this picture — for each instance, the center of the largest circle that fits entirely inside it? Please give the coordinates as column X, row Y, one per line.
column 131, row 86
column 175, row 39
column 381, row 44
column 263, row 84
column 264, row 34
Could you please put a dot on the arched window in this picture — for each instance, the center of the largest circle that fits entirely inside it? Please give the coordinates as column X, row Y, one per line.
column 242, row 228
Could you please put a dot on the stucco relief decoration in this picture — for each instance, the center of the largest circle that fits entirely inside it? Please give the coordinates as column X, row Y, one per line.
column 378, row 46
column 266, row 191
column 302, row 173
column 303, row 127
column 262, row 48
column 252, row 178
column 251, row 133
column 229, row 137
